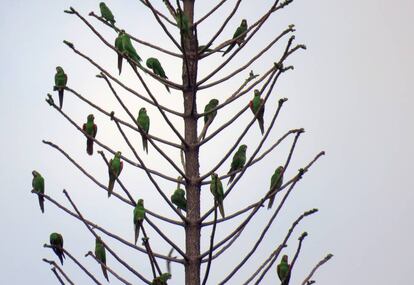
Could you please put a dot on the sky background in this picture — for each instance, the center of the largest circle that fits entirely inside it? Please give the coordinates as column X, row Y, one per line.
column 351, row 90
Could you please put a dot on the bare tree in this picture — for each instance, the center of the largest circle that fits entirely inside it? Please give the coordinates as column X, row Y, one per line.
column 188, row 144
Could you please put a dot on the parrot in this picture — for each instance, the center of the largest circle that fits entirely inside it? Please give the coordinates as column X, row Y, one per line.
column 208, row 118
column 216, row 188
column 283, row 270
column 120, row 47
column 106, row 13
column 178, row 199
column 240, row 30
column 91, row 129
column 162, row 279
column 239, row 159
column 60, row 83
column 38, row 184
column 101, row 255
column 275, row 183
column 139, row 215
column 114, row 169
column 143, row 121
column 56, row 241
column 182, row 22
column 129, row 49
column 255, row 105
column 155, row 65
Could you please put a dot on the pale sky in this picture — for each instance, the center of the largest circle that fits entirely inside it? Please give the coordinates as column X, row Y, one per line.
column 350, row 90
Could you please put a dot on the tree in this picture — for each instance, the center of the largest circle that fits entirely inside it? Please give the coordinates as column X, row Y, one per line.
column 191, row 53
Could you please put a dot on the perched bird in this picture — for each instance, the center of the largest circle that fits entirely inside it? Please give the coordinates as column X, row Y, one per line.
column 38, row 184
column 208, row 118
column 56, row 241
column 275, row 183
column 114, row 169
column 178, row 199
column 128, row 48
column 139, row 215
column 240, row 30
column 239, row 159
column 182, row 22
column 216, row 188
column 91, row 129
column 255, row 105
column 120, row 47
column 143, row 121
column 106, row 13
column 162, row 279
column 283, row 270
column 60, row 83
column 155, row 65
column 101, row 255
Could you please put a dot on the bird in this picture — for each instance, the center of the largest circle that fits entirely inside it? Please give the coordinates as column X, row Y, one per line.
column 178, row 199
column 239, row 159
column 238, row 35
column 275, row 183
column 56, row 241
column 283, row 270
column 91, row 129
column 255, row 105
column 38, row 184
column 216, row 188
column 106, row 13
column 114, row 169
column 161, row 280
column 101, row 255
column 139, row 215
column 156, row 67
column 143, row 122
column 208, row 118
column 60, row 83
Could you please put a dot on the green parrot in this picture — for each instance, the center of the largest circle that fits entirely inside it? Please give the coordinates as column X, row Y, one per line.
column 139, row 215
column 162, row 279
column 255, row 105
column 155, row 65
column 91, row 129
column 38, row 184
column 283, row 270
column 239, row 159
column 56, row 241
column 208, row 118
column 275, row 183
column 120, row 47
column 101, row 255
column 60, row 83
column 183, row 22
column 114, row 169
column 240, row 30
column 106, row 13
column 143, row 121
column 216, row 188
column 178, row 199
column 129, row 49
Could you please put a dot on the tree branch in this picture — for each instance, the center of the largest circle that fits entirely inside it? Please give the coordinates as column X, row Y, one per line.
column 213, row 231
column 320, row 263
column 55, row 265
column 159, row 13
column 209, row 13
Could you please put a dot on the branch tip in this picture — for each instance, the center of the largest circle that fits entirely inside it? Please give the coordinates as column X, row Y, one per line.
column 91, row 13
column 112, row 115
column 310, row 212
column 49, row 100
column 302, row 236
column 68, row 11
column 69, row 44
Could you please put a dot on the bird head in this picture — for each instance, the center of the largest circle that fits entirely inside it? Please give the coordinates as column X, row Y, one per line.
column 102, row 4
column 90, row 118
column 285, row 258
column 142, row 111
column 141, row 202
column 280, row 169
column 214, row 102
column 256, row 92
column 59, row 69
column 118, row 154
column 35, row 173
column 244, row 22
column 243, row 147
column 214, row 176
column 149, row 62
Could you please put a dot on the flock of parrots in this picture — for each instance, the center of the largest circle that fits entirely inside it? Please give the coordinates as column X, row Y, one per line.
column 124, row 46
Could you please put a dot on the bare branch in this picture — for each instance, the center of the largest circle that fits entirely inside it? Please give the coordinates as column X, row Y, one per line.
column 57, row 275
column 320, row 263
column 209, row 13
column 213, row 231
column 169, row 6
column 55, row 265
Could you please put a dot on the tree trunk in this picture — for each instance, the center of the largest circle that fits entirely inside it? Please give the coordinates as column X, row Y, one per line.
column 192, row 229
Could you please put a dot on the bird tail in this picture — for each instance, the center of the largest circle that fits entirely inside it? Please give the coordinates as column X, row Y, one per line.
column 42, row 203
column 120, row 64
column 271, row 201
column 111, row 186
column 261, row 124
column 144, row 143
column 229, row 49
column 61, row 255
column 168, row 88
column 104, row 272
column 89, row 146
column 137, row 228
column 231, row 178
column 221, row 208
column 61, row 97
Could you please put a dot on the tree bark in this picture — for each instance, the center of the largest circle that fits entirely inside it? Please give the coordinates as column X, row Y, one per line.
column 192, row 230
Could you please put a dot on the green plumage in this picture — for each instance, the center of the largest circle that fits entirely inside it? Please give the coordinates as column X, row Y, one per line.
column 208, row 118
column 100, row 254
column 216, row 188
column 124, row 45
column 283, row 270
column 120, row 47
column 178, row 199
column 91, row 129
column 182, row 22
column 255, row 107
column 106, row 13
column 143, row 121
column 38, row 184
column 162, row 279
column 275, row 183
column 56, row 241
column 139, row 216
column 237, row 34
column 155, row 65
column 239, row 159
column 60, row 83
column 114, row 169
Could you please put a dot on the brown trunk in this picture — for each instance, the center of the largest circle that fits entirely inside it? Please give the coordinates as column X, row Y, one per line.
column 192, row 230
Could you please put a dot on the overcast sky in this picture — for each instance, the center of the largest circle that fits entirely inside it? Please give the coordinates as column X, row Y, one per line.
column 351, row 90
